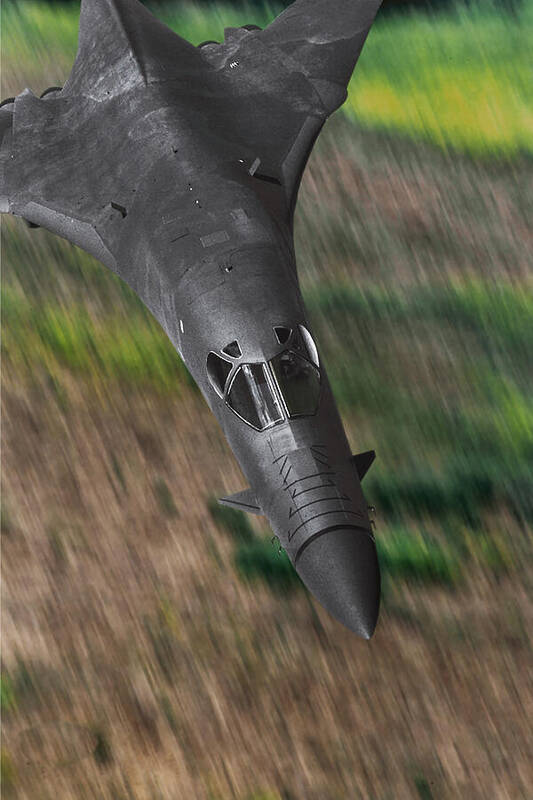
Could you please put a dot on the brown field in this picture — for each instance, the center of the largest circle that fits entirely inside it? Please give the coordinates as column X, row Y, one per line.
column 136, row 638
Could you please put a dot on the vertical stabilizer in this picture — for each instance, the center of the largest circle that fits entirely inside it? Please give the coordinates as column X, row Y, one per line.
column 122, row 45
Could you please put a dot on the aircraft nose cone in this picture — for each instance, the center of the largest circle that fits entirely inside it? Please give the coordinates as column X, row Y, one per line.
column 340, row 568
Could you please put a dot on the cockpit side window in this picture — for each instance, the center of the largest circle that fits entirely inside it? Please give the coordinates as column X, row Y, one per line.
column 303, row 343
column 310, row 346
column 252, row 398
column 282, row 333
column 218, row 370
column 298, row 381
column 232, row 349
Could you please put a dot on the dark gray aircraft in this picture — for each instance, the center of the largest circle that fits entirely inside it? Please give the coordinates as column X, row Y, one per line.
column 178, row 168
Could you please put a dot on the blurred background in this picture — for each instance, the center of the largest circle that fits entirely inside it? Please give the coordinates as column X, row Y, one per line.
column 155, row 645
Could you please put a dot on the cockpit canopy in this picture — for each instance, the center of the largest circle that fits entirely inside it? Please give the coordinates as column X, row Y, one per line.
column 265, row 393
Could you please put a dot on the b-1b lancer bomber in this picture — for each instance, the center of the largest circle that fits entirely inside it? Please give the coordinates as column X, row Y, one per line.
column 178, row 167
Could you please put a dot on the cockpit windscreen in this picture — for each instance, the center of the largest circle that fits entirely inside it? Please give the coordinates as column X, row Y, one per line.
column 251, row 397
column 263, row 394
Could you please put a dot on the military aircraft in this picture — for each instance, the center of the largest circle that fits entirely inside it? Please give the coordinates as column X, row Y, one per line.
column 178, row 166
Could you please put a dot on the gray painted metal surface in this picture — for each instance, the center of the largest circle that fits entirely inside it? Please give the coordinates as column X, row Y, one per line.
column 178, row 167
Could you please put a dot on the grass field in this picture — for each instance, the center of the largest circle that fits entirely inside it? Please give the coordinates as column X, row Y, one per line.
column 155, row 644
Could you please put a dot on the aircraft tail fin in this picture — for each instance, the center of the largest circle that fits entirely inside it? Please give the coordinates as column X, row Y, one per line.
column 363, row 462
column 121, row 44
column 324, row 38
column 244, row 501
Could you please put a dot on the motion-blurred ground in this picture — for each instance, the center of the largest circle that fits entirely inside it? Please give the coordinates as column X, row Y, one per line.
column 156, row 647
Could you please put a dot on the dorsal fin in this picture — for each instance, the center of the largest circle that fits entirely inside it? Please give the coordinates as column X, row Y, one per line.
column 121, row 45
column 244, row 501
